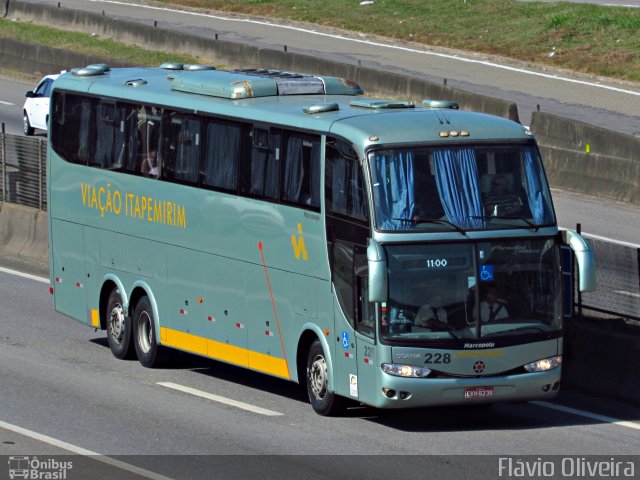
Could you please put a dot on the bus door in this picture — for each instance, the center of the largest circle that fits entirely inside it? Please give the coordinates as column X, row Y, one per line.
column 365, row 327
column 348, row 232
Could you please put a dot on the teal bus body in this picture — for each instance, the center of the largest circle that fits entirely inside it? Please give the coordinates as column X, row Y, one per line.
column 241, row 215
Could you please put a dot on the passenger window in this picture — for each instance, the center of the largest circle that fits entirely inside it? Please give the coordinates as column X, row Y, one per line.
column 220, row 168
column 109, row 145
column 344, row 182
column 261, row 165
column 181, row 152
column 73, row 113
column 301, row 182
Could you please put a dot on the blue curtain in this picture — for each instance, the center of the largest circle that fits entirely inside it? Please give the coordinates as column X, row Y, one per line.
column 395, row 202
column 534, row 187
column 456, row 174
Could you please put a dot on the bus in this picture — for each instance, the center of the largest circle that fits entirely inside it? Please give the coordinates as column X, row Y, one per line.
column 288, row 224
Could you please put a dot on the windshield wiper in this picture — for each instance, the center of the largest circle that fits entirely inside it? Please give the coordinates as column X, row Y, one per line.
column 530, row 225
column 513, row 330
column 436, row 221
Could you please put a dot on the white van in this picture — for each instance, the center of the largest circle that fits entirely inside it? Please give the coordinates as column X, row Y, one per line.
column 35, row 113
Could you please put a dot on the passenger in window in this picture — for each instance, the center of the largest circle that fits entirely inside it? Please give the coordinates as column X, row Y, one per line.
column 492, row 308
column 500, row 202
column 149, row 166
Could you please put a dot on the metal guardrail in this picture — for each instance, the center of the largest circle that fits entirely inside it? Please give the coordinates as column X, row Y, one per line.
column 23, row 171
column 617, row 279
column 23, row 168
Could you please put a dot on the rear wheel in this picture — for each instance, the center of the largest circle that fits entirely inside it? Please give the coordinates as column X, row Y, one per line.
column 323, row 401
column 118, row 327
column 150, row 354
column 26, row 125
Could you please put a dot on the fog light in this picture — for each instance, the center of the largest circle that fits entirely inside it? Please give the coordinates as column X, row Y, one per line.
column 388, row 392
column 546, row 388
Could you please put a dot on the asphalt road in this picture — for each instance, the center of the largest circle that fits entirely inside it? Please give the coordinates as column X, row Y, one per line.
column 63, row 391
column 599, row 101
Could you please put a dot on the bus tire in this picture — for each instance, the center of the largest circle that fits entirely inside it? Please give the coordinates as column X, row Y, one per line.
column 118, row 328
column 150, row 354
column 323, row 401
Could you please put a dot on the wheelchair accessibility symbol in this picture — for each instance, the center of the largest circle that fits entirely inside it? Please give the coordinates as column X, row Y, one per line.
column 345, row 339
column 486, row 273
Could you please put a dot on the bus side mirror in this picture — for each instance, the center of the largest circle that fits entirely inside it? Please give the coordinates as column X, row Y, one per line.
column 377, row 272
column 584, row 258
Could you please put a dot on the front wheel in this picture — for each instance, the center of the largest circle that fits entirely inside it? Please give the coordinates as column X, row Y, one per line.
column 323, row 401
column 118, row 327
column 150, row 354
column 26, row 125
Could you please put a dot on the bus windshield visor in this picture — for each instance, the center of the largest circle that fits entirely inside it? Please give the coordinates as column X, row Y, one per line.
column 466, row 187
column 507, row 290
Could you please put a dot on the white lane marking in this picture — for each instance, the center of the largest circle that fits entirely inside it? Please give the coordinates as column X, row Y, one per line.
column 630, row 294
column 607, row 239
column 83, row 451
column 604, row 239
column 383, row 45
column 219, row 399
column 7, row 103
column 24, row 275
column 584, row 413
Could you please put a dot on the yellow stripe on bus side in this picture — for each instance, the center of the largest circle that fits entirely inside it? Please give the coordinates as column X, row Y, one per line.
column 224, row 352
column 479, row 353
column 95, row 318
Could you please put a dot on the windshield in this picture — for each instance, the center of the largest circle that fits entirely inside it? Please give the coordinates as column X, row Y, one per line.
column 505, row 290
column 469, row 187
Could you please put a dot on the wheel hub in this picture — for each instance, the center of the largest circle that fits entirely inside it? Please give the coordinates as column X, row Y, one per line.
column 318, row 377
column 116, row 323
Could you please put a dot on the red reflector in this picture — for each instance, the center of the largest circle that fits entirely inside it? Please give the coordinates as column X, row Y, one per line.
column 367, row 361
column 51, row 290
column 210, row 318
column 58, row 279
column 78, row 284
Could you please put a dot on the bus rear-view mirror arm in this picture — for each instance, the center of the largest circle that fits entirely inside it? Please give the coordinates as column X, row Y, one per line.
column 377, row 272
column 584, row 257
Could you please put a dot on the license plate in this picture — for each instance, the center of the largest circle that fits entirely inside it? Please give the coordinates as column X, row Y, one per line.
column 478, row 392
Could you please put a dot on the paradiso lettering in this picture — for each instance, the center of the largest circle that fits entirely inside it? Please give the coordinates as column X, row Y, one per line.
column 146, row 208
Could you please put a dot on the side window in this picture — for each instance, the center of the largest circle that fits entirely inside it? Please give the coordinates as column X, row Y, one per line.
column 73, row 127
column 301, row 173
column 181, row 147
column 365, row 311
column 143, row 140
column 261, row 162
column 42, row 88
column 344, row 182
column 109, row 136
column 222, row 153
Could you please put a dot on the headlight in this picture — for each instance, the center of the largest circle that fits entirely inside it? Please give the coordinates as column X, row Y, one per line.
column 544, row 364
column 405, row 370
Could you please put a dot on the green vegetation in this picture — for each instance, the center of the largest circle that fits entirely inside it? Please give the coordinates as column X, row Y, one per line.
column 88, row 44
column 582, row 37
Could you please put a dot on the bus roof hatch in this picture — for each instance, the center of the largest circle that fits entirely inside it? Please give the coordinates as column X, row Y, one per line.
column 236, row 84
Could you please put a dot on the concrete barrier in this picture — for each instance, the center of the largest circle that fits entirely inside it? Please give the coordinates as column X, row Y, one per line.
column 588, row 159
column 236, row 55
column 40, row 60
column 24, row 233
